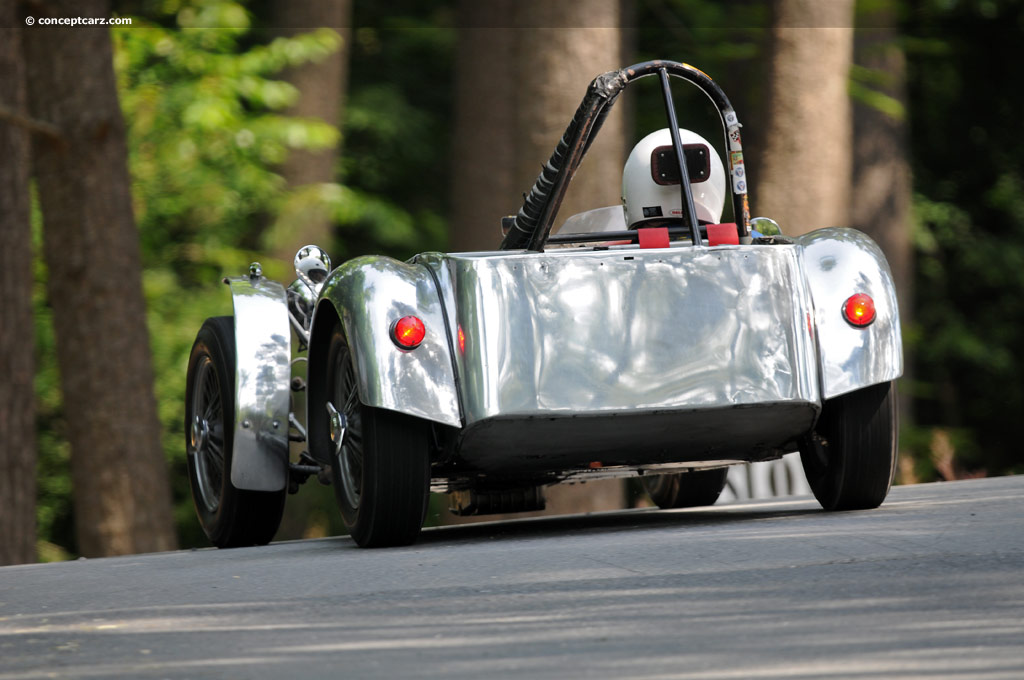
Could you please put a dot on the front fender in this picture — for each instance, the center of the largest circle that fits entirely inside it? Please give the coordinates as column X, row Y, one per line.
column 838, row 263
column 262, row 388
column 368, row 294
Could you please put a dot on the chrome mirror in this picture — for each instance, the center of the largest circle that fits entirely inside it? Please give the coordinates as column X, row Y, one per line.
column 765, row 226
column 312, row 265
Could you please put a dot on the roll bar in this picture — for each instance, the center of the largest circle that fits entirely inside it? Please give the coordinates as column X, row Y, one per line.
column 532, row 225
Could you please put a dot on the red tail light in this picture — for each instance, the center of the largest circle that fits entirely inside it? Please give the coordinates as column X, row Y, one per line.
column 408, row 332
column 859, row 309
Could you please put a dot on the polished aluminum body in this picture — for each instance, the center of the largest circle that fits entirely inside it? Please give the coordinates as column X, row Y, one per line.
column 554, row 359
column 369, row 294
column 837, row 263
column 263, row 373
column 582, row 331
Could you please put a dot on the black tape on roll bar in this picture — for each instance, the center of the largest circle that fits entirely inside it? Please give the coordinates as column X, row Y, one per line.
column 548, row 190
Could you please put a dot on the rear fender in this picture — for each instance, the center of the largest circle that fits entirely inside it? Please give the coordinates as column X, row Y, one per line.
column 369, row 294
column 839, row 263
column 262, row 389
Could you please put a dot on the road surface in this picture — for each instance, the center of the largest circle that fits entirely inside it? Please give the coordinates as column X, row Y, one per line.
column 930, row 585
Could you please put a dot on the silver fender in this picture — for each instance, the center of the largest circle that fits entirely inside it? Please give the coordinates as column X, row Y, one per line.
column 838, row 263
column 369, row 294
column 262, row 384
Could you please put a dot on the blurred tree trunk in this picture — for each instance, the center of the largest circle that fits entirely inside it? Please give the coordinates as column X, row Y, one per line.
column 483, row 186
column 881, row 204
column 119, row 475
column 881, row 169
column 806, row 163
column 560, row 48
column 523, row 68
column 322, row 86
column 17, row 333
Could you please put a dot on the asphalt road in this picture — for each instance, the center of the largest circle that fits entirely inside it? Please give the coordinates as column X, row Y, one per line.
column 930, row 585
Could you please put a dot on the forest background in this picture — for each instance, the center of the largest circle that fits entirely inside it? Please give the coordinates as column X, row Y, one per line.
column 252, row 128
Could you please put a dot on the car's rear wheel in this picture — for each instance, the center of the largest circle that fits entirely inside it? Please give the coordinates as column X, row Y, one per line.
column 381, row 465
column 230, row 517
column 850, row 460
column 685, row 489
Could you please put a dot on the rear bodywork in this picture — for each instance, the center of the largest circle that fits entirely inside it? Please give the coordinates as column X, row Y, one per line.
column 569, row 359
column 837, row 263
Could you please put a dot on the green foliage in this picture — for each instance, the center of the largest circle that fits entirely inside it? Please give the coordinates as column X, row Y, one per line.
column 865, row 88
column 969, row 231
column 388, row 227
column 205, row 132
column 397, row 132
column 54, row 513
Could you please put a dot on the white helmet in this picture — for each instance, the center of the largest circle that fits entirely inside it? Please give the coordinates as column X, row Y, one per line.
column 650, row 180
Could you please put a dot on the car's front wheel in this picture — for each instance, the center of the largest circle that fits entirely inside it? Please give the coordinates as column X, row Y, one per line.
column 380, row 459
column 685, row 489
column 230, row 517
column 850, row 459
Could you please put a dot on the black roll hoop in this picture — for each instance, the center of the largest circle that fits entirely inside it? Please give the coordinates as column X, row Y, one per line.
column 533, row 223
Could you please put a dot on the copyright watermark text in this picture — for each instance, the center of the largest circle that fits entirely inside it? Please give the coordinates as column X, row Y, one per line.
column 79, row 21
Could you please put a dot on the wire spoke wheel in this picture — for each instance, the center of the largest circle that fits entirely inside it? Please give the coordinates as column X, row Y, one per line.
column 349, row 456
column 206, row 440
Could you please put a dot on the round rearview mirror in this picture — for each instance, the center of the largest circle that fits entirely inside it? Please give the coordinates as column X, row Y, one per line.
column 765, row 226
column 312, row 265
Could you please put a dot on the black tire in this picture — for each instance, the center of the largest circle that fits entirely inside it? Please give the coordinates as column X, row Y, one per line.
column 381, row 474
column 230, row 517
column 685, row 489
column 850, row 460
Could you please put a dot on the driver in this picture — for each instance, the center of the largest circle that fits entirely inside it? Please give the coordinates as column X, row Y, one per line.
column 650, row 181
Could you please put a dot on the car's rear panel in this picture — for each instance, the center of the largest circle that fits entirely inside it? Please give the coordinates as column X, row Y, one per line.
column 638, row 348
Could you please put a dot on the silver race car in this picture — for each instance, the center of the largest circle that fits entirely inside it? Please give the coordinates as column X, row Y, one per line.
column 646, row 340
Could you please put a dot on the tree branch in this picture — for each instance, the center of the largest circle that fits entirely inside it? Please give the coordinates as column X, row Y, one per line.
column 37, row 126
